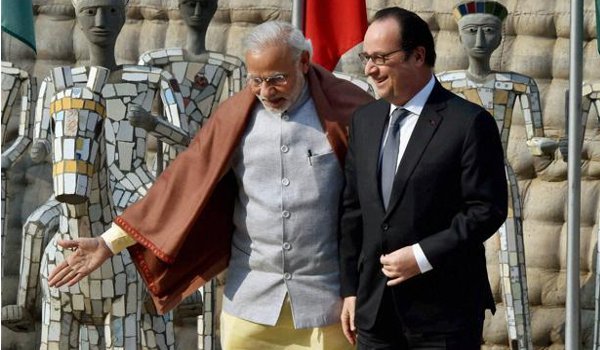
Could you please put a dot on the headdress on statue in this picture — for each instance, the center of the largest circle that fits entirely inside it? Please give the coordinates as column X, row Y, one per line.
column 77, row 2
column 474, row 7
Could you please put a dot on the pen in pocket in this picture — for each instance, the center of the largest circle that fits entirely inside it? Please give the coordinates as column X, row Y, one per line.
column 309, row 156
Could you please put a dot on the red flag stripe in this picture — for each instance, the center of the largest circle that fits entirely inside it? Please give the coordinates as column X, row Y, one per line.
column 334, row 27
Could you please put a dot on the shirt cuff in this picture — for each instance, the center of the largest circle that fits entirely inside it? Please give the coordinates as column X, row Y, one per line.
column 116, row 239
column 422, row 261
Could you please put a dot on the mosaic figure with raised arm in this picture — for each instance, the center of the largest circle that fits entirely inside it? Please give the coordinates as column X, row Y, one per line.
column 591, row 98
column 127, row 91
column 16, row 86
column 200, row 75
column 480, row 32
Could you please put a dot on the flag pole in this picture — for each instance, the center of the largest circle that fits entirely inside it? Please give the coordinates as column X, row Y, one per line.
column 573, row 318
column 298, row 14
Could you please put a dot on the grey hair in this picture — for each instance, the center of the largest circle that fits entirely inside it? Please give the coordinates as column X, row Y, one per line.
column 277, row 33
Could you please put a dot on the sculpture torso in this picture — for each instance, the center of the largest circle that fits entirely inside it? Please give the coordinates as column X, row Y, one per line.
column 200, row 79
column 498, row 94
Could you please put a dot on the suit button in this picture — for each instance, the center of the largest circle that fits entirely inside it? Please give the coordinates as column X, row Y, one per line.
column 287, row 246
column 287, row 276
column 286, row 214
column 385, row 227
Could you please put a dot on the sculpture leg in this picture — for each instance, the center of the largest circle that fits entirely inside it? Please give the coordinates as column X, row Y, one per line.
column 157, row 330
column 60, row 330
column 117, row 323
column 206, row 320
column 513, row 276
column 38, row 229
column 4, row 181
column 90, row 337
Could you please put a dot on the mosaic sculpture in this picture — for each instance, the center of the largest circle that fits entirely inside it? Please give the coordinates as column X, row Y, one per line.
column 591, row 97
column 200, row 75
column 480, row 30
column 129, row 90
column 15, row 83
column 105, row 303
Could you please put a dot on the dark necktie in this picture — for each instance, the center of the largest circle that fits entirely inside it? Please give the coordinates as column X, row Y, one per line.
column 389, row 154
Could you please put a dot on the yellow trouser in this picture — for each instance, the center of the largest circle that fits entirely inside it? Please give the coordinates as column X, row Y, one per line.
column 238, row 334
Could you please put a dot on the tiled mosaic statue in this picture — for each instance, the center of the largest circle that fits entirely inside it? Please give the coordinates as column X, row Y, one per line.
column 16, row 86
column 128, row 91
column 591, row 98
column 103, row 306
column 480, row 30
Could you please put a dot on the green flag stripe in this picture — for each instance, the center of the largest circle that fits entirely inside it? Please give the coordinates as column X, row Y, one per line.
column 25, row 41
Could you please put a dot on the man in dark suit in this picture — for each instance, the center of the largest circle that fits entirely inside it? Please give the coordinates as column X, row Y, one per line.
column 425, row 187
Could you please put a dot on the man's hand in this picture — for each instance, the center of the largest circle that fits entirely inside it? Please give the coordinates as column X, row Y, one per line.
column 141, row 118
column 88, row 255
column 399, row 265
column 347, row 319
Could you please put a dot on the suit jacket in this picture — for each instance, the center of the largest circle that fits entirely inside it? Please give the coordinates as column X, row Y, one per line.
column 449, row 195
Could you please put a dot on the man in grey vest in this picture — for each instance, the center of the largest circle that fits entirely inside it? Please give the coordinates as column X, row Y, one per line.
column 269, row 176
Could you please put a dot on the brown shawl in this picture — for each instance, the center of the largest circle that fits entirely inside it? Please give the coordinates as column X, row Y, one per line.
column 183, row 225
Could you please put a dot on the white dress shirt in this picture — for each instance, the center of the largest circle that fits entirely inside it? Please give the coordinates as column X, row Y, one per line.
column 407, row 126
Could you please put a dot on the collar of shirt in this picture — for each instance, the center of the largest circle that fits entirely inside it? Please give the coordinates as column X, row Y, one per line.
column 304, row 96
column 415, row 105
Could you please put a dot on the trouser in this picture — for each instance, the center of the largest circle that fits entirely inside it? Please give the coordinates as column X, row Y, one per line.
column 239, row 334
column 388, row 333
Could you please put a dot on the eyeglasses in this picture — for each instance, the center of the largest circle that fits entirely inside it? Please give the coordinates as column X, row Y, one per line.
column 274, row 80
column 378, row 58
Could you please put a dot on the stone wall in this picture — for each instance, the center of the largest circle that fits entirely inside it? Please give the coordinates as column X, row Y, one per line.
column 535, row 43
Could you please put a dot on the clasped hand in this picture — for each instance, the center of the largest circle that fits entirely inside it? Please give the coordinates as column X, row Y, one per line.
column 399, row 265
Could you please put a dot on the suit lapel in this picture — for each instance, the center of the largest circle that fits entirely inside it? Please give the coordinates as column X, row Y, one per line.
column 427, row 124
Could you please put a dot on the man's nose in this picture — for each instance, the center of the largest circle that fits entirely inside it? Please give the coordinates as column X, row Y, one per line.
column 370, row 67
column 267, row 89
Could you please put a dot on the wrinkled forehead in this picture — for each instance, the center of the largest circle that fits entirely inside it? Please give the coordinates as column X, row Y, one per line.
column 479, row 19
column 99, row 3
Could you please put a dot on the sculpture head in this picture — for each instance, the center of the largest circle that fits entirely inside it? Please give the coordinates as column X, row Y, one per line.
column 480, row 26
column 78, row 114
column 277, row 58
column 197, row 14
column 100, row 20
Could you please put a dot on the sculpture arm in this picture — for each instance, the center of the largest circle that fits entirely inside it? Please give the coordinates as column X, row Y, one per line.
column 537, row 142
column 18, row 147
column 158, row 127
column 174, row 130
column 42, row 124
column 236, row 78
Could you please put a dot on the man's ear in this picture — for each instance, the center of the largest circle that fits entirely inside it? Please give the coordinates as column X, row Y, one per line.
column 419, row 53
column 305, row 61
